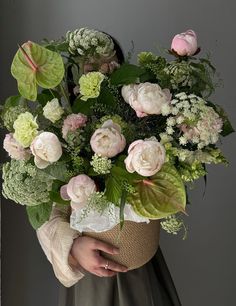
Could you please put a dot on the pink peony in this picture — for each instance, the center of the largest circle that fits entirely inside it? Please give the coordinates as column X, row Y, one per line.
column 78, row 190
column 108, row 140
column 72, row 123
column 146, row 157
column 146, row 98
column 14, row 149
column 46, row 149
column 185, row 43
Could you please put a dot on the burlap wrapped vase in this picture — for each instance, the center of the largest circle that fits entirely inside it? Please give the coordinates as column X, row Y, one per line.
column 138, row 242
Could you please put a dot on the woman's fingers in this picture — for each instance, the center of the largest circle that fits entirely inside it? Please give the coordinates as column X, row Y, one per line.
column 105, row 247
column 114, row 266
column 105, row 273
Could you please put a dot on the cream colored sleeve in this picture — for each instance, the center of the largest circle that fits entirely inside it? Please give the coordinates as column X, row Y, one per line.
column 56, row 239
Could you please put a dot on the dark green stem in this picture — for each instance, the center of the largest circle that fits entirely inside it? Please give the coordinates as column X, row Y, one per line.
column 67, row 100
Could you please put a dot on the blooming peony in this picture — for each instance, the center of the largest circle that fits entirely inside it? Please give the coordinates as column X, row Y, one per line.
column 46, row 149
column 25, row 127
column 185, row 43
column 146, row 157
column 108, row 140
column 72, row 123
column 14, row 149
column 146, row 98
column 78, row 190
column 52, row 110
column 90, row 85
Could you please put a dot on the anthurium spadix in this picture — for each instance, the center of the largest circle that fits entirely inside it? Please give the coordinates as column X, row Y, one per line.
column 33, row 66
column 160, row 195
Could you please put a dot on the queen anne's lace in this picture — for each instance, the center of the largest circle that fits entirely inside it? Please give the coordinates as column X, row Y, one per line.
column 198, row 122
column 84, row 42
column 25, row 184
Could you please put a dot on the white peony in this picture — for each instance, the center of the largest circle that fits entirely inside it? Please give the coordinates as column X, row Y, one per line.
column 79, row 189
column 46, row 149
column 146, row 98
column 146, row 157
column 52, row 110
column 108, row 140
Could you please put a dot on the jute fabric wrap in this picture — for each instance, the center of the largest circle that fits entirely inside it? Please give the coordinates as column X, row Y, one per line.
column 138, row 242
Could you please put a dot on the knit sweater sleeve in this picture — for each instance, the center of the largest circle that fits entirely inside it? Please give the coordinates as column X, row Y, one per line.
column 56, row 239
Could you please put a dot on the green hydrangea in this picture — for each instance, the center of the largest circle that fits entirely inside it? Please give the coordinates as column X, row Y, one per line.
column 25, row 184
column 10, row 115
column 101, row 165
column 90, row 85
column 25, row 127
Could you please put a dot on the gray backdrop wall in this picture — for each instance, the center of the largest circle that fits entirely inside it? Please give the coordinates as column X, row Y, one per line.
column 204, row 266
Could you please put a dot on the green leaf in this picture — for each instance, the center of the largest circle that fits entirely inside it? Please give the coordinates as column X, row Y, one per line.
column 56, row 197
column 35, row 65
column 57, row 171
column 84, row 107
column 207, row 62
column 39, row 214
column 113, row 189
column 57, row 46
column 161, row 195
column 107, row 98
column 47, row 95
column 227, row 126
column 126, row 74
column 122, row 206
column 12, row 101
column 114, row 182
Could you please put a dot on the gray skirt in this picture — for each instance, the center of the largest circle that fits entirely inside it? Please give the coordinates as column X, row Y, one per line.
column 149, row 285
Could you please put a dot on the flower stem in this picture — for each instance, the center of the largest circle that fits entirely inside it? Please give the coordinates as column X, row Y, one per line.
column 67, row 101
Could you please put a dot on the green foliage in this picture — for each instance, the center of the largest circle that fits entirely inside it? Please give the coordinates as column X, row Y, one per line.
column 57, row 171
column 126, row 74
column 84, row 107
column 192, row 172
column 116, row 180
column 203, row 74
column 47, row 95
column 35, row 65
column 160, row 195
column 106, row 98
column 155, row 65
column 60, row 45
column 39, row 214
column 227, row 126
column 12, row 101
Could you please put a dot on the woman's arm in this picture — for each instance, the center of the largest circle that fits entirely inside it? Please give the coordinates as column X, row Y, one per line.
column 56, row 239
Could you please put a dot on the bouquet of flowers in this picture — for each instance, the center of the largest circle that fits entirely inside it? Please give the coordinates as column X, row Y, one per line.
column 122, row 142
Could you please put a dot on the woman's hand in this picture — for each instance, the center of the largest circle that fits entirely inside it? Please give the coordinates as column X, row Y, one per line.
column 86, row 251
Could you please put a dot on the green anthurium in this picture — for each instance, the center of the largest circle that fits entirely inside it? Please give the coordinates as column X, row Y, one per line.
column 160, row 195
column 35, row 65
